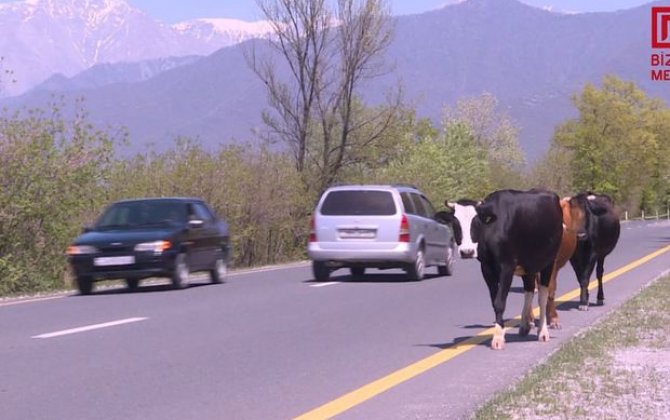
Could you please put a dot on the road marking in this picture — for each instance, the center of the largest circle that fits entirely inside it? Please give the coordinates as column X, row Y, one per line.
column 330, row 283
column 372, row 389
column 90, row 327
column 29, row 300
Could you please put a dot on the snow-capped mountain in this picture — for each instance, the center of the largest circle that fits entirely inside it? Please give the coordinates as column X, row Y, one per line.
column 40, row 38
column 223, row 32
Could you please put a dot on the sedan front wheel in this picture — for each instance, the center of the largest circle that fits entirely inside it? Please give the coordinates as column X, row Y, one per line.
column 181, row 272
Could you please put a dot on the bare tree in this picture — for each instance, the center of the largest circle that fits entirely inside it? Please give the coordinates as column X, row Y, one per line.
column 329, row 52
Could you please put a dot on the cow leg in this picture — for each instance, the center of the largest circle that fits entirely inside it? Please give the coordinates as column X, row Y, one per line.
column 527, row 318
column 490, row 275
column 552, row 314
column 543, row 297
column 505, row 276
column 584, row 284
column 600, row 269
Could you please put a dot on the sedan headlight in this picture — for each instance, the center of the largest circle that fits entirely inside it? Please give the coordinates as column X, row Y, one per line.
column 155, row 246
column 81, row 250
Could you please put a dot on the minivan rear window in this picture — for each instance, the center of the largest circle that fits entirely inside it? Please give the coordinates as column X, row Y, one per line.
column 358, row 203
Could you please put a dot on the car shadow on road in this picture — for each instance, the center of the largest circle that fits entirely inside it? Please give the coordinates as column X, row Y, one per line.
column 373, row 278
column 150, row 288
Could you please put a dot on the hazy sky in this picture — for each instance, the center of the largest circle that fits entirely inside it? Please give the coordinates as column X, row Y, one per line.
column 171, row 11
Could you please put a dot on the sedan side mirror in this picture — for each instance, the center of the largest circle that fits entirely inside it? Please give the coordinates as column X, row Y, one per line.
column 195, row 223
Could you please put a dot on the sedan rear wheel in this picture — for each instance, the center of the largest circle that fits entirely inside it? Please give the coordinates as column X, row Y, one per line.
column 181, row 271
column 220, row 271
column 448, row 268
column 132, row 284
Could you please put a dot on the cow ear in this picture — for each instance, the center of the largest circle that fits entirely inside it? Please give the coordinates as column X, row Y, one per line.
column 444, row 217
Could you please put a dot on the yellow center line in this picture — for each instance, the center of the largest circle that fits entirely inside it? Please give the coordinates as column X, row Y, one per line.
column 372, row 389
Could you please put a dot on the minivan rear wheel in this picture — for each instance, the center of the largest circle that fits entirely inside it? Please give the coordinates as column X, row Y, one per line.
column 448, row 268
column 321, row 271
column 415, row 271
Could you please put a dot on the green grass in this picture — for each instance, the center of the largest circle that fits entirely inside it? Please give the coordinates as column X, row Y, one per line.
column 605, row 372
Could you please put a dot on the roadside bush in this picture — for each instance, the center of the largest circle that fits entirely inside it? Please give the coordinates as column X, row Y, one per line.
column 50, row 172
column 257, row 191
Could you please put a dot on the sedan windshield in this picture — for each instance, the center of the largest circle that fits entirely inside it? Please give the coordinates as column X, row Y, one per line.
column 141, row 214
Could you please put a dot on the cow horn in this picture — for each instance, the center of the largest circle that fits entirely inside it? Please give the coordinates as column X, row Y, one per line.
column 591, row 197
column 449, row 204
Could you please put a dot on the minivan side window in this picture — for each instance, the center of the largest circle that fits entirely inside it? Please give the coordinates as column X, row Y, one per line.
column 428, row 206
column 418, row 205
column 407, row 203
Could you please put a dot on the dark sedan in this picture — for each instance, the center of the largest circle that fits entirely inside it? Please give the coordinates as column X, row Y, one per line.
column 151, row 237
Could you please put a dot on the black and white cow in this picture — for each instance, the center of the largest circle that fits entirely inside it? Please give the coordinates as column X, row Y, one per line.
column 601, row 223
column 518, row 232
column 464, row 212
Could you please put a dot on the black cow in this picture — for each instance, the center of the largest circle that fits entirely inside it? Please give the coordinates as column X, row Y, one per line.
column 602, row 227
column 518, row 232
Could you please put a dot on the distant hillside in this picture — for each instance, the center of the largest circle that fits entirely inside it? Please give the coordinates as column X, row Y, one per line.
column 107, row 74
column 531, row 59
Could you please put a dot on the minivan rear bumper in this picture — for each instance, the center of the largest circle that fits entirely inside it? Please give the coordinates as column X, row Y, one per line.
column 364, row 252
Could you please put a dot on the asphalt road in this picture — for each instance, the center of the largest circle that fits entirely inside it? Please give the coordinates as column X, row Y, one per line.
column 274, row 344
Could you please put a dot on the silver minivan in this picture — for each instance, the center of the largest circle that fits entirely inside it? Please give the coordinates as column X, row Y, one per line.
column 378, row 226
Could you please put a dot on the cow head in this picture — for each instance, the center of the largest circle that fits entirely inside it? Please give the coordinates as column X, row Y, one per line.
column 574, row 217
column 594, row 205
column 464, row 212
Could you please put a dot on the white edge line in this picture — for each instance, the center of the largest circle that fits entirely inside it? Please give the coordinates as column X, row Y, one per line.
column 29, row 300
column 232, row 273
column 330, row 283
column 90, row 327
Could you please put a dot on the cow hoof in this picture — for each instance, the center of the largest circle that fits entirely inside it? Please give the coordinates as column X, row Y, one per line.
column 555, row 325
column 601, row 302
column 524, row 330
column 583, row 307
column 543, row 335
column 498, row 343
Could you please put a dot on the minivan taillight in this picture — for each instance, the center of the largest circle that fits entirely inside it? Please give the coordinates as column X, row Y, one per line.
column 312, row 230
column 404, row 229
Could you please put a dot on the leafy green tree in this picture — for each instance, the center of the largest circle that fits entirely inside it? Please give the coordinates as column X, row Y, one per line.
column 450, row 166
column 495, row 132
column 618, row 144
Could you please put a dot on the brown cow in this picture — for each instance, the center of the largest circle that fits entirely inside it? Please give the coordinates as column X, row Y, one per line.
column 573, row 230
